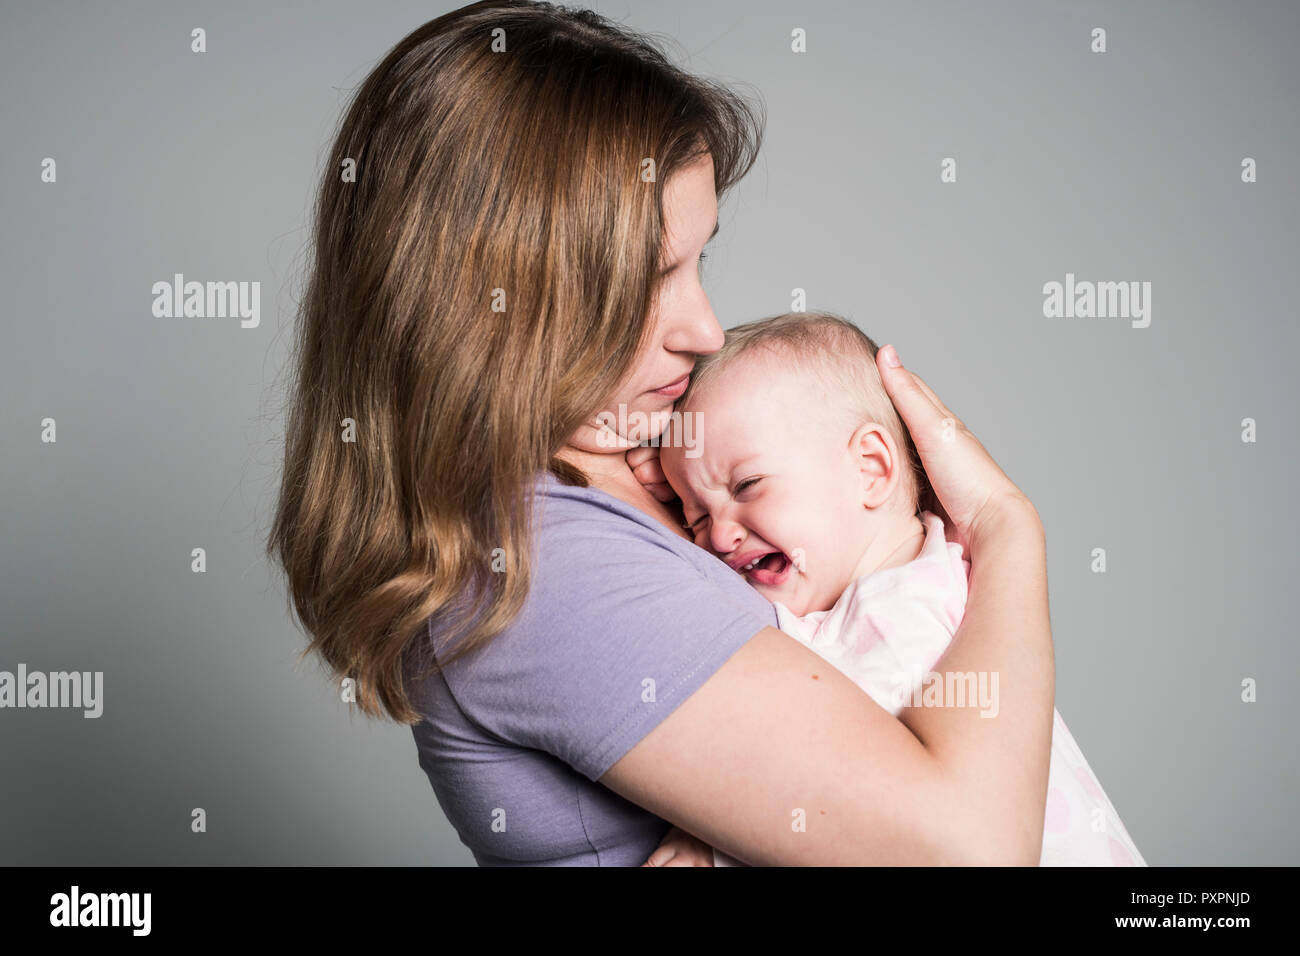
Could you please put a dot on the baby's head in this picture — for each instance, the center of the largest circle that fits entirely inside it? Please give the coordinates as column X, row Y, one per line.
column 799, row 459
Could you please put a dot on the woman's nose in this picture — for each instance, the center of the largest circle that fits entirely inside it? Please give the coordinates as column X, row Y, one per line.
column 695, row 328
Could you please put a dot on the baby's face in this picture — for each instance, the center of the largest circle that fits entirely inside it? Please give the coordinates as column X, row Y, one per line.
column 775, row 490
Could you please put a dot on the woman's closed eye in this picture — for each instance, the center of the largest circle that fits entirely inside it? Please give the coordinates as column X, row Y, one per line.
column 745, row 485
column 668, row 270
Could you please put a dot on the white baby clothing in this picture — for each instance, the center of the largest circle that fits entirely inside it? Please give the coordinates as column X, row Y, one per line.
column 888, row 630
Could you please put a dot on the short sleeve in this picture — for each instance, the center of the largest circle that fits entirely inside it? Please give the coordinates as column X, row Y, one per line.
column 622, row 623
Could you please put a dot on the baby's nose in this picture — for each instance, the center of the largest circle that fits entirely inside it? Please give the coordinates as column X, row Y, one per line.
column 726, row 536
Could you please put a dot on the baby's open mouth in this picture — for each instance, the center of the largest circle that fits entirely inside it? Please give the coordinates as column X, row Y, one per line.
column 768, row 570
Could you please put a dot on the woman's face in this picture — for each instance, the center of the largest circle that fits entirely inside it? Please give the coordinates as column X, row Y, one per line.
column 682, row 323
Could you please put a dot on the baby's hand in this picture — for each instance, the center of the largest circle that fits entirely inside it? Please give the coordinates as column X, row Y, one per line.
column 644, row 462
column 679, row 848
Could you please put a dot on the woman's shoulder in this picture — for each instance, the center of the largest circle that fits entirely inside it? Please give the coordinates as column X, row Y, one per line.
column 619, row 562
column 619, row 612
column 573, row 511
column 597, row 559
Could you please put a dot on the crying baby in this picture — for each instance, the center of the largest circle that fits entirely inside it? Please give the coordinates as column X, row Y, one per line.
column 806, row 482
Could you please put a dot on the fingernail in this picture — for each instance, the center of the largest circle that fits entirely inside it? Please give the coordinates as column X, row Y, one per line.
column 891, row 357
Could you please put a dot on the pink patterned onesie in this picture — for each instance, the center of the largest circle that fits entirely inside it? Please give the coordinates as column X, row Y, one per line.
column 887, row 631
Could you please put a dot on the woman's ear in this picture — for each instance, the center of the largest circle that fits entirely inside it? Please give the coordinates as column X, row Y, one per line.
column 876, row 458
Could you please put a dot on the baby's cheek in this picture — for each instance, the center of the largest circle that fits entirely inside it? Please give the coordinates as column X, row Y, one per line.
column 804, row 591
column 675, row 474
column 670, row 460
column 831, row 558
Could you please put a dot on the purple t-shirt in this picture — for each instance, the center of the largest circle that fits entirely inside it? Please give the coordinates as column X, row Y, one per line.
column 624, row 620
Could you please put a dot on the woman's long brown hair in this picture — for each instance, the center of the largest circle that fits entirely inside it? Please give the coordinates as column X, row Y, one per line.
column 485, row 252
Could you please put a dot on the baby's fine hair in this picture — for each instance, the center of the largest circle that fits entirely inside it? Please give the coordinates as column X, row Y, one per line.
column 842, row 355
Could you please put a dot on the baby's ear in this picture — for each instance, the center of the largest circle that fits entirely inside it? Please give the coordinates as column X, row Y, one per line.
column 876, row 457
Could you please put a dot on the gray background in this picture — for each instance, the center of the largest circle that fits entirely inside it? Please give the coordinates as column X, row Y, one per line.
column 1120, row 166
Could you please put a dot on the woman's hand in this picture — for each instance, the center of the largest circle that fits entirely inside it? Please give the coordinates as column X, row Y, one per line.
column 973, row 494
column 644, row 462
column 679, row 848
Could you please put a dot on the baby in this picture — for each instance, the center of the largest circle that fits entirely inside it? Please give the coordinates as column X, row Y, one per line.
column 804, row 479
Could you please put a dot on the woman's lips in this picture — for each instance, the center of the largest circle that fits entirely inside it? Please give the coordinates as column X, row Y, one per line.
column 674, row 389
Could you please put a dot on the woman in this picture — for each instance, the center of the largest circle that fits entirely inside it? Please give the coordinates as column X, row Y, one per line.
column 513, row 264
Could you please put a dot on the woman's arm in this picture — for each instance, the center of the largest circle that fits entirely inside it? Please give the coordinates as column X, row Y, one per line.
column 779, row 759
column 1000, row 763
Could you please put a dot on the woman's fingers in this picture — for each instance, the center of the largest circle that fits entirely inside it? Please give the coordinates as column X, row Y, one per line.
column 962, row 475
column 668, row 855
column 920, row 407
column 929, row 393
column 912, row 379
column 662, row 855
